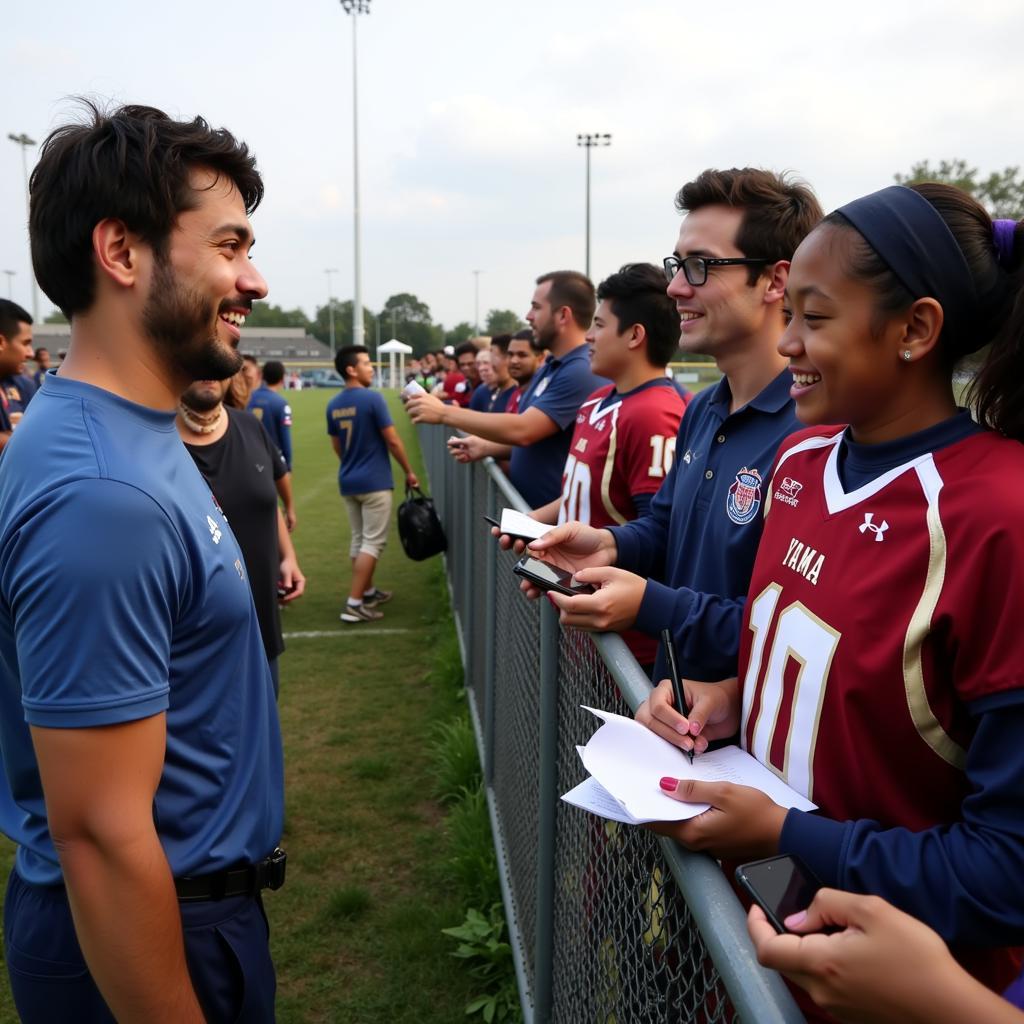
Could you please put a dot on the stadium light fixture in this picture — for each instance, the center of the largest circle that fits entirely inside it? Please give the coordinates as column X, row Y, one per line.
column 589, row 140
column 24, row 141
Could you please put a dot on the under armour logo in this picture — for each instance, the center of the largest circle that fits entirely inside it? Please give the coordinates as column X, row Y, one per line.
column 875, row 528
column 214, row 529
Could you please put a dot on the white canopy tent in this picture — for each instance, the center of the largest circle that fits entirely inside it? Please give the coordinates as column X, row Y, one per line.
column 394, row 348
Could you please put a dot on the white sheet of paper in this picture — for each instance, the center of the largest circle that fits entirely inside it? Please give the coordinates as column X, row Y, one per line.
column 522, row 525
column 628, row 759
column 591, row 796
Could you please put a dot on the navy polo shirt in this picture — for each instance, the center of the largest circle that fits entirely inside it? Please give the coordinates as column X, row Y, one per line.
column 701, row 534
column 558, row 389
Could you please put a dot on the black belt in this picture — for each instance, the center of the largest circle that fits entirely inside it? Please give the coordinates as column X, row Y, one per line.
column 247, row 880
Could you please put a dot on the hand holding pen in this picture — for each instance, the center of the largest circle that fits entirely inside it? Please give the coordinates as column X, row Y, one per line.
column 678, row 696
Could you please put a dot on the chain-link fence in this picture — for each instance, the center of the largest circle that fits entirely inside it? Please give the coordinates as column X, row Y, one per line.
column 608, row 923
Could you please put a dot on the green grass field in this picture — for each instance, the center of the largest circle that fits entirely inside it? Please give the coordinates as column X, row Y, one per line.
column 356, row 930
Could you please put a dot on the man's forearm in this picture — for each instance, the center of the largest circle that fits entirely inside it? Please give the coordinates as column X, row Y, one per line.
column 500, row 427
column 398, row 452
column 129, row 928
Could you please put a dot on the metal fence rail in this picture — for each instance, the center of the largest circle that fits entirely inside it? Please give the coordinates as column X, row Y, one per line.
column 608, row 923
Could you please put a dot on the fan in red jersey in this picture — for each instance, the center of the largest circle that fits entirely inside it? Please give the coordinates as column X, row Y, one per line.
column 625, row 435
column 880, row 662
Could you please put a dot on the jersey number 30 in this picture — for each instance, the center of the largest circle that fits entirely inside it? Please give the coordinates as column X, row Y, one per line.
column 798, row 634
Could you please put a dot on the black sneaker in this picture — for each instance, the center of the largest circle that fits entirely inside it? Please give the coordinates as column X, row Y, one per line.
column 378, row 597
column 360, row 613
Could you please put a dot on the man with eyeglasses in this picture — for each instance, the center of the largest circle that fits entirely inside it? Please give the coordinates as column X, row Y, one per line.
column 727, row 276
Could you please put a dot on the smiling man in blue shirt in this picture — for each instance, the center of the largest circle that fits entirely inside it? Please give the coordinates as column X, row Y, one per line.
column 143, row 779
column 727, row 276
column 538, row 435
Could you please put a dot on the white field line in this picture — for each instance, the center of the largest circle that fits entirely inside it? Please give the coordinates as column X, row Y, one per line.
column 318, row 634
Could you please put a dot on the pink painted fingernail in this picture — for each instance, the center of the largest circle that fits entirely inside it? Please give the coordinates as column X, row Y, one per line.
column 668, row 784
column 795, row 920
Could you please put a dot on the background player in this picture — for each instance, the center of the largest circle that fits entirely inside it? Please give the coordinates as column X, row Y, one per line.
column 362, row 434
column 271, row 408
column 880, row 659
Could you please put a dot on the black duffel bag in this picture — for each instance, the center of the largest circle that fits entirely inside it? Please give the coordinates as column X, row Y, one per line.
column 419, row 528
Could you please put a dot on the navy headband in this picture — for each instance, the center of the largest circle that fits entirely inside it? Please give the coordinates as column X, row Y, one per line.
column 915, row 243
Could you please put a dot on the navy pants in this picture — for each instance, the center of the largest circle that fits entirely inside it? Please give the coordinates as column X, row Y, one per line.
column 226, row 945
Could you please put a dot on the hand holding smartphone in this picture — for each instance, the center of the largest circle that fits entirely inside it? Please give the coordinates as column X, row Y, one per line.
column 546, row 576
column 780, row 886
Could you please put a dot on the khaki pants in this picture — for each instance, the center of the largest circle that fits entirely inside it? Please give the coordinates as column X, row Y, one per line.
column 369, row 516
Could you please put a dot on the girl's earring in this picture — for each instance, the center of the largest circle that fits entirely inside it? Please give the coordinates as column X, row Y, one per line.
column 906, row 355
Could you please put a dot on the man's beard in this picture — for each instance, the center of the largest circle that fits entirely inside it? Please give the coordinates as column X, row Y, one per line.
column 201, row 399
column 545, row 336
column 183, row 324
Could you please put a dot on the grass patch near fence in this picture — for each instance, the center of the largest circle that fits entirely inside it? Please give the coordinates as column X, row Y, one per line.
column 356, row 930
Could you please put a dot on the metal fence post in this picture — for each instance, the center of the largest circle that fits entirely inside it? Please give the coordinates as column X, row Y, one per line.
column 547, row 797
column 490, row 635
column 469, row 635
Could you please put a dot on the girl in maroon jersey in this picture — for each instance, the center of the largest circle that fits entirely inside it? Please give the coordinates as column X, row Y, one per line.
column 880, row 671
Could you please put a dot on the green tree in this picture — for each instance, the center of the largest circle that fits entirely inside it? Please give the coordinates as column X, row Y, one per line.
column 265, row 315
column 55, row 316
column 320, row 327
column 503, row 321
column 408, row 319
column 1001, row 193
column 459, row 333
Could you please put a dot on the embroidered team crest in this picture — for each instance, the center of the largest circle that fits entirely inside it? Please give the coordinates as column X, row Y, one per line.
column 744, row 497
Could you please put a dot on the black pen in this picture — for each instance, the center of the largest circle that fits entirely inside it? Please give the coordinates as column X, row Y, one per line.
column 673, row 672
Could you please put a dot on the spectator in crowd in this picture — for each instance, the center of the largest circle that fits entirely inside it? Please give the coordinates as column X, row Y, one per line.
column 879, row 667
column 560, row 313
column 525, row 357
column 251, row 372
column 502, row 385
column 42, row 359
column 850, row 972
column 727, row 277
column 362, row 434
column 241, row 464
column 271, row 408
column 625, row 436
column 142, row 752
column 480, row 400
column 16, row 390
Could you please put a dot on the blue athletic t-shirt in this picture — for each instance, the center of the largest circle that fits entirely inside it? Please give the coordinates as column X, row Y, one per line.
column 123, row 595
column 357, row 416
column 274, row 412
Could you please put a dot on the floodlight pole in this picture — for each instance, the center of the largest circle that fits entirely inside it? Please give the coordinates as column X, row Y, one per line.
column 330, row 303
column 355, row 8
column 589, row 141
column 10, row 280
column 24, row 141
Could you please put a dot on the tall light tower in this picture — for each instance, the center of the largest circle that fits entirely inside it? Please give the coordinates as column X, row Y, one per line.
column 355, row 8
column 330, row 302
column 476, row 300
column 24, row 141
column 589, row 141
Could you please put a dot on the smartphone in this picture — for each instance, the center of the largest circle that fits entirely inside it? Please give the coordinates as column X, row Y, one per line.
column 549, row 577
column 780, row 886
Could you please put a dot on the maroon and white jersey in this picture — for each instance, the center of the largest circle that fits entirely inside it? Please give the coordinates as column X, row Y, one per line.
column 626, row 448
column 623, row 449
column 875, row 617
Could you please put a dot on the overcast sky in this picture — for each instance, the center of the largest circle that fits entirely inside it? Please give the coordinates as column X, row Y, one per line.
column 469, row 111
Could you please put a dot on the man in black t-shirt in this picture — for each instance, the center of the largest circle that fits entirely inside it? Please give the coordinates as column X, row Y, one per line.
column 241, row 463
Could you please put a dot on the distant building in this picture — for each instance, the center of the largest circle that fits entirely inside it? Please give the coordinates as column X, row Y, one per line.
column 287, row 344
